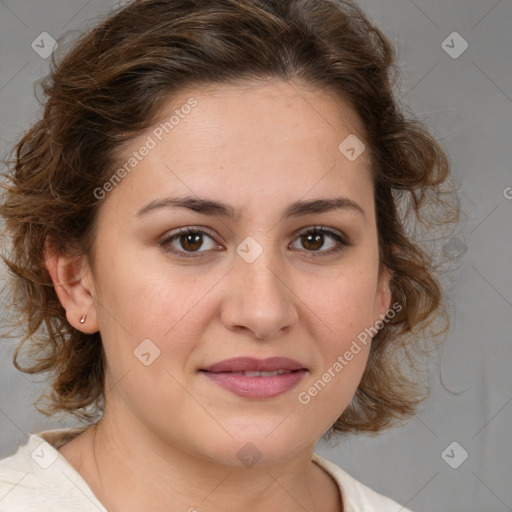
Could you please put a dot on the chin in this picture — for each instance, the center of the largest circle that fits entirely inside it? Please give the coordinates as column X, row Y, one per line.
column 252, row 447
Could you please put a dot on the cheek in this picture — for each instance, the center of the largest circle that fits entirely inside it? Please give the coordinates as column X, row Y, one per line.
column 345, row 304
column 344, row 314
column 153, row 304
column 138, row 297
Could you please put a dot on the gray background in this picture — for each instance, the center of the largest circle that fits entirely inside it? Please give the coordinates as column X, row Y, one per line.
column 467, row 103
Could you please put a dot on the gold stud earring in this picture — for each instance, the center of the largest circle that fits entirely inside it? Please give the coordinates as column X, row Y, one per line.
column 83, row 318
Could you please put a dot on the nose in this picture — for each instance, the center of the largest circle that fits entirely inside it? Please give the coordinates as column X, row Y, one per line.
column 259, row 299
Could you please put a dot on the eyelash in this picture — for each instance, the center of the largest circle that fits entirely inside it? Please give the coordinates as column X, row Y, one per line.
column 342, row 243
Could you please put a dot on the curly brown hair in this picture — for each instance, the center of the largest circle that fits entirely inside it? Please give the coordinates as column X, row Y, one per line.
column 110, row 85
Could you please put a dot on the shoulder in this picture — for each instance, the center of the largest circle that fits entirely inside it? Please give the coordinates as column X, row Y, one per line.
column 38, row 478
column 356, row 496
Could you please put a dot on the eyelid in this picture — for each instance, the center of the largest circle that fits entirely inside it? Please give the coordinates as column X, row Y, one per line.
column 322, row 229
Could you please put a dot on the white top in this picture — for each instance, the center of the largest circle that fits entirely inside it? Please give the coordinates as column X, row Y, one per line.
column 37, row 478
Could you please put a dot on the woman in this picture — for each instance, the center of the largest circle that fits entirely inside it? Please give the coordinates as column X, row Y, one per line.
column 208, row 258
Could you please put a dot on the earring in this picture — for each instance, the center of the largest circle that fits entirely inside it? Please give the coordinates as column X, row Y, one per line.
column 83, row 318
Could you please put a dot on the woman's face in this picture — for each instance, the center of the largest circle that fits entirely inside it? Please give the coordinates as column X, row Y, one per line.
column 247, row 281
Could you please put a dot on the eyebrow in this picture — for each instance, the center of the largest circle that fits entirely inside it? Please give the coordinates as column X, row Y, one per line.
column 218, row 208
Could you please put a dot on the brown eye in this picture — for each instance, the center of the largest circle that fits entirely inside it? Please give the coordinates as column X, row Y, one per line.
column 191, row 241
column 314, row 239
column 187, row 241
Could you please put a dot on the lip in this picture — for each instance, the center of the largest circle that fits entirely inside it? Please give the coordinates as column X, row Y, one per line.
column 251, row 364
column 229, row 375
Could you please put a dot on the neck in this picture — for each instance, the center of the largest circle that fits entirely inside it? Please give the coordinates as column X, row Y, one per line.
column 131, row 469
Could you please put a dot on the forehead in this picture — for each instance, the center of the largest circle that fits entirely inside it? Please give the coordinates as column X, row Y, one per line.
column 272, row 110
column 269, row 140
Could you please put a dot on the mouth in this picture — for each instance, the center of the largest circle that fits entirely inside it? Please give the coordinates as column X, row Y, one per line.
column 256, row 378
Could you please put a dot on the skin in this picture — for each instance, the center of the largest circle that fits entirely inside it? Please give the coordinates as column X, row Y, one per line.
column 169, row 437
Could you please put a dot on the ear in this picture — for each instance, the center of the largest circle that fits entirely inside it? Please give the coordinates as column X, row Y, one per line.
column 383, row 295
column 72, row 279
